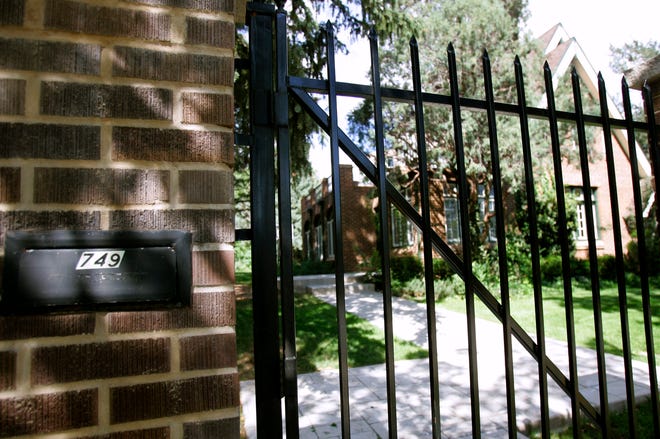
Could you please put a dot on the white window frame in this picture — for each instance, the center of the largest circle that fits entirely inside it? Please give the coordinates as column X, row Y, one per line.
column 330, row 225
column 452, row 214
column 481, row 194
column 319, row 242
column 308, row 243
column 401, row 231
column 581, row 231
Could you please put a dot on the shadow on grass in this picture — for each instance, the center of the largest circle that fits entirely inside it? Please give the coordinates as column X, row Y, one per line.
column 316, row 341
column 609, row 296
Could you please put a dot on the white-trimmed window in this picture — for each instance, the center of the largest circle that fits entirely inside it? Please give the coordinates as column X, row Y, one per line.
column 308, row 244
column 452, row 214
column 330, row 226
column 401, row 229
column 581, row 232
column 481, row 194
column 319, row 242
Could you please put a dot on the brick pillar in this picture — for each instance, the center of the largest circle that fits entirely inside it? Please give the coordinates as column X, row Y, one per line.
column 115, row 116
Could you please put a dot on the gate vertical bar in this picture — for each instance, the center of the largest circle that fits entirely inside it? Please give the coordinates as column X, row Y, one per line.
column 564, row 244
column 646, row 296
column 427, row 240
column 384, row 237
column 463, row 195
column 501, row 248
column 281, row 114
column 593, row 257
column 535, row 250
column 264, row 247
column 338, row 236
column 618, row 254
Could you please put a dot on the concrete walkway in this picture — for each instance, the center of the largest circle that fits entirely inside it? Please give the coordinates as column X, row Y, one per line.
column 319, row 392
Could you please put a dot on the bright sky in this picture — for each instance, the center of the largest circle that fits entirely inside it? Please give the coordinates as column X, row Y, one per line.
column 595, row 24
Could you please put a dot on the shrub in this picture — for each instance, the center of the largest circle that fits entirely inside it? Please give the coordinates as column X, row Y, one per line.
column 313, row 267
column 607, row 267
column 551, row 268
column 580, row 268
column 652, row 260
column 406, row 267
column 652, row 238
column 242, row 256
column 441, row 269
column 451, row 286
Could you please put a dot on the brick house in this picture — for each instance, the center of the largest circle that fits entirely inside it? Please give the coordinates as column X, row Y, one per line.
column 119, row 115
column 562, row 53
column 357, row 217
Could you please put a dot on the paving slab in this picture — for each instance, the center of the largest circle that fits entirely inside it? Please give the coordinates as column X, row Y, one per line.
column 318, row 393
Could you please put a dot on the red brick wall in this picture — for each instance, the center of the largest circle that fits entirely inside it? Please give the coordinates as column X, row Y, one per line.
column 358, row 221
column 600, row 182
column 119, row 115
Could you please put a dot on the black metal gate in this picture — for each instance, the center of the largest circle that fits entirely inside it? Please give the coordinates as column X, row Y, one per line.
column 275, row 349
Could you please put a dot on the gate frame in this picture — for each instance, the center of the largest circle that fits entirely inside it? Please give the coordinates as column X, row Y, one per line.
column 270, row 87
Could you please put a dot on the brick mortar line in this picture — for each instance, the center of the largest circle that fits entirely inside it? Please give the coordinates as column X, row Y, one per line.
column 78, row 78
column 213, row 246
column 202, row 206
column 156, row 9
column 26, row 186
column 34, row 14
column 175, row 189
column 23, row 370
column 223, row 288
column 124, row 123
column 175, row 354
column 178, row 28
column 32, row 96
column 110, row 41
column 210, row 415
column 40, row 342
column 104, row 220
column 117, row 382
column 176, row 429
column 105, row 163
column 105, row 145
column 103, row 404
column 58, row 207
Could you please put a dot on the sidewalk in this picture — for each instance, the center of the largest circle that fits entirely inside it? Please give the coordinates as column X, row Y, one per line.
column 318, row 393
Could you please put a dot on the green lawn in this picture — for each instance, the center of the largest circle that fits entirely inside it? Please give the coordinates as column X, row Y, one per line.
column 522, row 309
column 316, row 339
column 619, row 424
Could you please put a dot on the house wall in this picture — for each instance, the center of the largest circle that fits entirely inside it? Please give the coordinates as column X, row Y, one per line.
column 358, row 221
column 357, row 216
column 118, row 115
column 600, row 182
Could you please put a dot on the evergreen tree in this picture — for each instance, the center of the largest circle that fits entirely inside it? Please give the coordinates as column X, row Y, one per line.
column 307, row 59
column 628, row 55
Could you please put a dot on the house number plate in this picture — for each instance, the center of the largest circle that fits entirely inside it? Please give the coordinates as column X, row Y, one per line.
column 70, row 271
column 96, row 260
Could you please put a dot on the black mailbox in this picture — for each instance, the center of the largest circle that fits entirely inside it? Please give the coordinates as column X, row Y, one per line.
column 95, row 270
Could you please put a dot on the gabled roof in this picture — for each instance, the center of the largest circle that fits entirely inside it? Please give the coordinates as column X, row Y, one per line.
column 564, row 52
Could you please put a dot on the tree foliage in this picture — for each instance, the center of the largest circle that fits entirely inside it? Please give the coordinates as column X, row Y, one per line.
column 470, row 26
column 625, row 57
column 306, row 40
column 628, row 55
